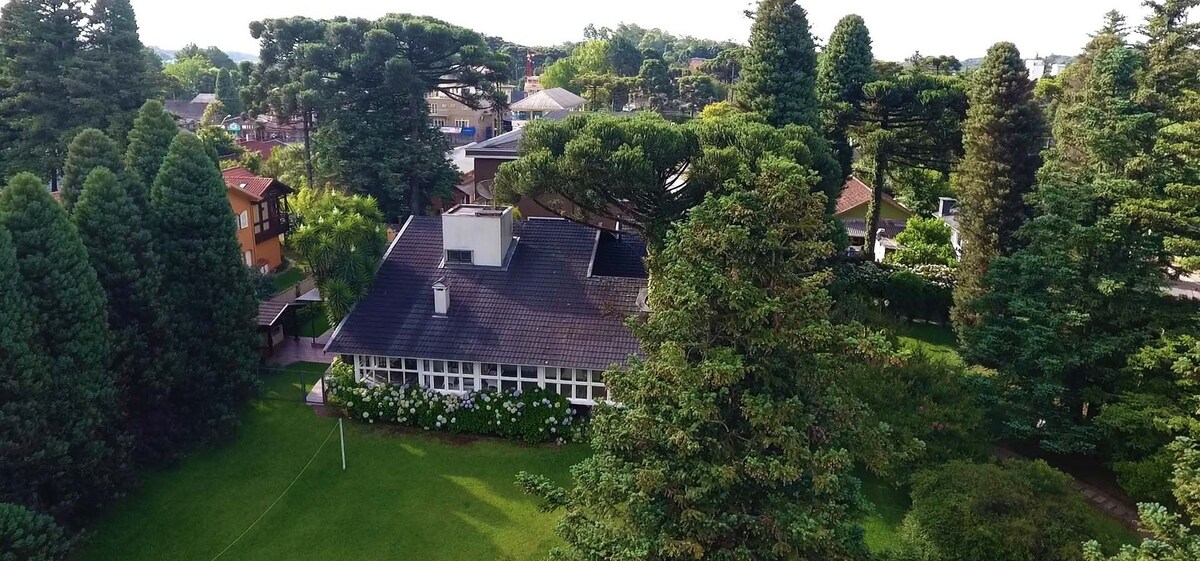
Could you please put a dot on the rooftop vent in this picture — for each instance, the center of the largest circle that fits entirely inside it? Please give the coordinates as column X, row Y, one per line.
column 441, row 298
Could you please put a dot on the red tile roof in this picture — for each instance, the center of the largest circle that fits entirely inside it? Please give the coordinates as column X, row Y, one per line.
column 856, row 193
column 262, row 147
column 240, row 179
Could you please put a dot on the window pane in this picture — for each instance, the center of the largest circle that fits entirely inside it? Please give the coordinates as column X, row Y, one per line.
column 468, row 368
column 439, row 382
column 551, row 373
column 598, row 376
column 490, row 384
column 410, row 378
column 599, row 392
column 581, row 392
column 526, row 386
column 452, row 367
column 581, row 375
column 488, row 369
column 508, row 385
column 439, row 366
column 425, row 365
column 452, row 383
column 395, row 363
column 508, row 371
column 529, row 372
column 468, row 384
column 410, row 364
column 563, row 389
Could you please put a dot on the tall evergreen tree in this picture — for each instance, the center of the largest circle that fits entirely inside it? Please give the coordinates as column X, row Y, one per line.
column 228, row 94
column 1003, row 136
column 117, row 71
column 779, row 70
column 39, row 81
column 729, row 441
column 121, row 250
column 151, row 136
column 845, row 67
column 83, row 459
column 90, row 149
column 210, row 295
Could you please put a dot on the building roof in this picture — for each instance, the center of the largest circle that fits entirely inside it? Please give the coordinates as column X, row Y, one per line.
column 270, row 312
column 205, row 98
column 856, row 193
column 542, row 309
column 262, row 147
column 242, row 180
column 186, row 111
column 857, row 227
column 553, row 99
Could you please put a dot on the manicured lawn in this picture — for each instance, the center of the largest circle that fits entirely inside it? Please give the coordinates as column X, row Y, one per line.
column 403, row 496
column 313, row 325
column 938, row 341
column 288, row 278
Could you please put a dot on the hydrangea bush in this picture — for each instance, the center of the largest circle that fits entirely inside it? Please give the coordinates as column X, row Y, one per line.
column 533, row 416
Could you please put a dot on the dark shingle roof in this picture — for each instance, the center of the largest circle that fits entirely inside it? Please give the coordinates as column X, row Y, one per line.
column 622, row 256
column 269, row 312
column 543, row 309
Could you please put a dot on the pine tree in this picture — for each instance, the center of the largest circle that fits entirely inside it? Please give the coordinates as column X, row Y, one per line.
column 1003, row 136
column 116, row 65
column 779, row 72
column 22, row 376
column 729, row 441
column 83, row 461
column 227, row 93
column 845, row 66
column 39, row 79
column 121, row 250
column 210, row 295
column 151, row 136
column 90, row 149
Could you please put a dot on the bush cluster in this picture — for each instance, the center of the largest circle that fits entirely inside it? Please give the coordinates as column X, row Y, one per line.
column 533, row 416
column 916, row 292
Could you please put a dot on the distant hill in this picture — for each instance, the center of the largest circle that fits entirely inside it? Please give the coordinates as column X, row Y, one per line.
column 169, row 55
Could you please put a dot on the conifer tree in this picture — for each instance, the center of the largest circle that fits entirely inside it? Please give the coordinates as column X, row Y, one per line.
column 83, row 459
column 845, row 66
column 1003, row 136
column 779, row 72
column 151, row 136
column 211, row 298
column 121, row 250
column 39, row 63
column 227, row 93
column 729, row 441
column 117, row 67
column 90, row 149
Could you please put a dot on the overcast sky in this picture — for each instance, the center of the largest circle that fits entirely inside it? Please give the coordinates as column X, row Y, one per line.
column 964, row 28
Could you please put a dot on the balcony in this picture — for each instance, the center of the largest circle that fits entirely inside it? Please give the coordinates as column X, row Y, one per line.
column 272, row 219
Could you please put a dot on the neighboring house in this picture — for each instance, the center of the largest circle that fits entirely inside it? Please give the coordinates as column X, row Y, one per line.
column 695, row 63
column 948, row 212
column 190, row 113
column 533, row 84
column 460, row 123
column 260, row 205
column 262, row 147
column 543, row 102
column 852, row 209
column 475, row 299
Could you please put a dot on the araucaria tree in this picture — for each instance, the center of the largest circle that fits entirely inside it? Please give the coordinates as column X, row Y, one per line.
column 79, row 459
column 118, row 74
column 153, row 130
column 1003, row 136
column 845, row 67
column 207, row 288
column 779, row 70
column 90, row 149
column 729, row 440
column 121, row 250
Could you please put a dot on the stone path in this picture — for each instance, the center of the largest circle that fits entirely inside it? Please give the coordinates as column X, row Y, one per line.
column 1114, row 508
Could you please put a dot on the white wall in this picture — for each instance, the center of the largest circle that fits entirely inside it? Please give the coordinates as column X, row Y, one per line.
column 488, row 237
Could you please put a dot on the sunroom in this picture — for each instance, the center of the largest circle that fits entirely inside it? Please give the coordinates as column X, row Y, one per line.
column 581, row 386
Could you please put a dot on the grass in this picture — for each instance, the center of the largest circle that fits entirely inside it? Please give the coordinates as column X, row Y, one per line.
column 402, row 497
column 313, row 325
column 287, row 278
column 938, row 341
column 890, row 504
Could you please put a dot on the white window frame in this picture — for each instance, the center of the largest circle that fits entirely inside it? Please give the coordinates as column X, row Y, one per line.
column 460, row 252
column 439, row 122
column 244, row 220
column 462, row 123
column 581, row 386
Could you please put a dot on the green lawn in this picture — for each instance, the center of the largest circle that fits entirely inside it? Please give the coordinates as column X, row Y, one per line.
column 313, row 325
column 288, row 278
column 403, row 496
column 938, row 341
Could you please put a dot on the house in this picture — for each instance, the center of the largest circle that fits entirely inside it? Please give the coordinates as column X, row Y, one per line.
column 260, row 205
column 539, row 104
column 475, row 299
column 948, row 212
column 190, row 113
column 263, row 148
column 852, row 209
column 460, row 123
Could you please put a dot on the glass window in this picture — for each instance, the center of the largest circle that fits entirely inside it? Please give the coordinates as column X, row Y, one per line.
column 527, row 385
column 529, row 372
column 439, row 122
column 439, row 366
column 439, row 382
column 425, row 365
column 581, row 375
column 468, row 384
column 462, row 123
column 551, row 373
column 581, row 392
column 598, row 376
column 599, row 393
column 459, row 257
column 410, row 364
column 510, row 385
column 508, row 371
column 452, row 367
column 468, row 368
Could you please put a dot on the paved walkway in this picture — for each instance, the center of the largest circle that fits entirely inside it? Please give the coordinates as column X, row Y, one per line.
column 1187, row 286
column 1114, row 508
column 291, row 350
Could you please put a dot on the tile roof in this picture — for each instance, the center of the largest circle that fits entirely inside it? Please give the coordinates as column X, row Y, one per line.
column 857, row 227
column 856, row 193
column 241, row 179
column 620, row 257
column 549, row 100
column 269, row 312
column 186, row 111
column 543, row 309
column 262, row 147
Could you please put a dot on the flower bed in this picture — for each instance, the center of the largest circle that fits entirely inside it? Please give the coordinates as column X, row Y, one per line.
column 533, row 416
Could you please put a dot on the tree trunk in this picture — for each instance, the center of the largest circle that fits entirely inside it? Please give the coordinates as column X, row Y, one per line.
column 414, row 185
column 308, row 163
column 872, row 226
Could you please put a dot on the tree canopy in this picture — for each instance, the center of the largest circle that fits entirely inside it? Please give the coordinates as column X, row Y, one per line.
column 779, row 70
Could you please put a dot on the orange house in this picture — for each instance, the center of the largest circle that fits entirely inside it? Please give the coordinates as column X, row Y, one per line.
column 260, row 205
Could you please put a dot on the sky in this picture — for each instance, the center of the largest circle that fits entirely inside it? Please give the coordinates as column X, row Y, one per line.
column 963, row 28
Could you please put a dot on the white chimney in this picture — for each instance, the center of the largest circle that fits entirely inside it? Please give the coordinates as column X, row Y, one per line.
column 477, row 235
column 947, row 207
column 441, row 299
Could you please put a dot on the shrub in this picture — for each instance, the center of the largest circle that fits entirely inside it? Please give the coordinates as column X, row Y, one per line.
column 532, row 416
column 914, row 292
column 1009, row 511
column 28, row 536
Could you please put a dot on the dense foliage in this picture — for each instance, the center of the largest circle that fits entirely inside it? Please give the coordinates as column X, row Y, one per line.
column 28, row 536
column 779, row 70
column 925, row 241
column 845, row 67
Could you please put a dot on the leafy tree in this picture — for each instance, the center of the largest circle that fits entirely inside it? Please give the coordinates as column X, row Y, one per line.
column 844, row 68
column 730, row 440
column 394, row 63
column 1011, row 511
column 726, row 66
column 909, row 121
column 90, row 149
column 562, row 74
column 228, row 94
column 121, row 250
column 207, row 290
column 28, row 536
column 190, row 76
column 1003, row 136
column 81, row 458
column 624, row 57
column 698, row 91
column 119, row 75
column 39, row 78
column 655, row 81
column 779, row 70
column 149, row 140
column 339, row 239
column 925, row 241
